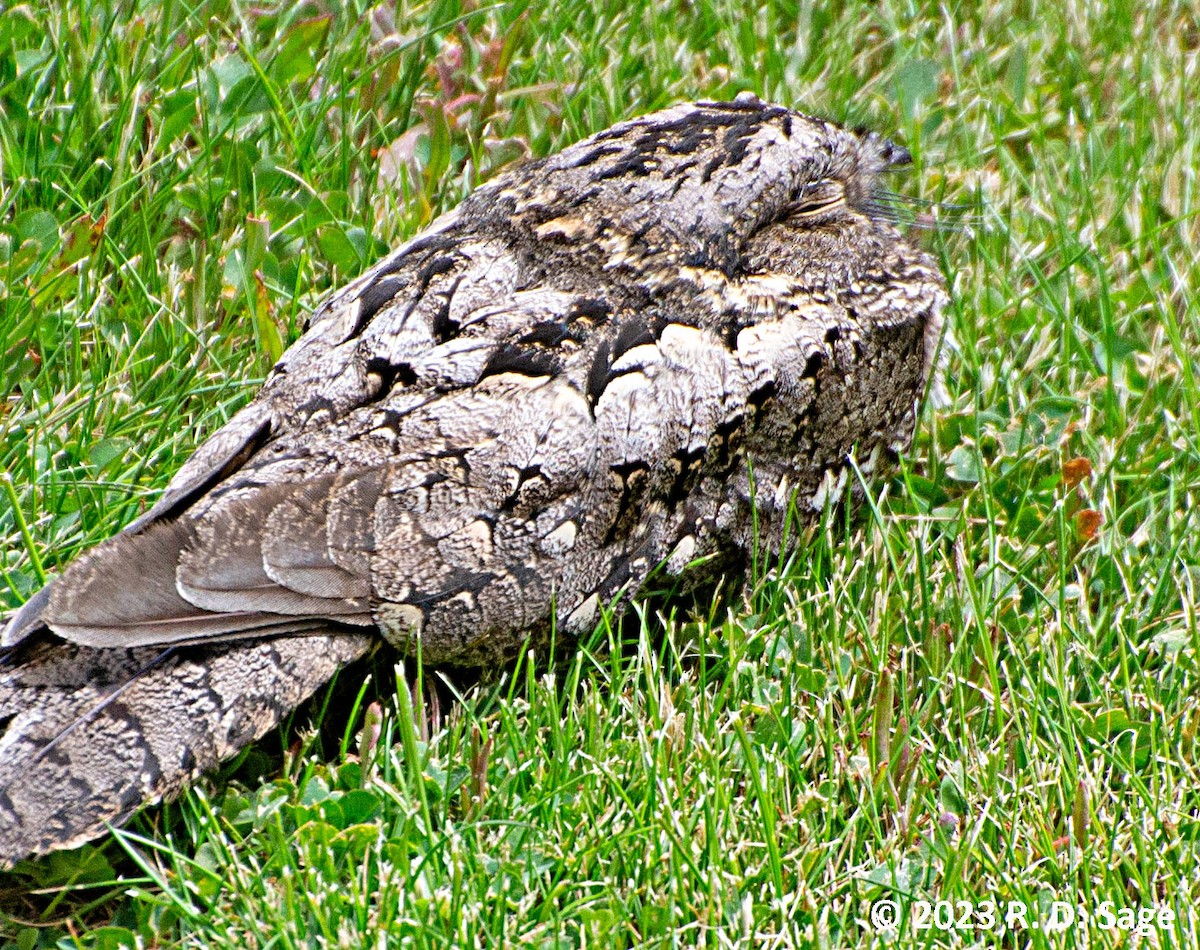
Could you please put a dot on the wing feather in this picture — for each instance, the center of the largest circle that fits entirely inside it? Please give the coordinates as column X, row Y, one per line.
column 296, row 550
column 224, row 569
column 123, row 593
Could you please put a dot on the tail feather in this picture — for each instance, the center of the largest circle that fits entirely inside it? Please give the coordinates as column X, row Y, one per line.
column 89, row 735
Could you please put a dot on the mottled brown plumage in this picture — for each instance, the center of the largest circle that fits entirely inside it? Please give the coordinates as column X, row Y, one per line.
column 635, row 354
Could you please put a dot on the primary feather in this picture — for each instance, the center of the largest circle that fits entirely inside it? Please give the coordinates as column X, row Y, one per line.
column 635, row 354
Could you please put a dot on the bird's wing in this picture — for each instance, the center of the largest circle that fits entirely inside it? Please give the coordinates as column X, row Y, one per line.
column 453, row 513
column 189, row 580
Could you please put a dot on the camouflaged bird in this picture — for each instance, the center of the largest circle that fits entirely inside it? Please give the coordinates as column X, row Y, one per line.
column 635, row 354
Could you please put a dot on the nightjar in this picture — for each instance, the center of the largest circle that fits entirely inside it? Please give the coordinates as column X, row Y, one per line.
column 636, row 355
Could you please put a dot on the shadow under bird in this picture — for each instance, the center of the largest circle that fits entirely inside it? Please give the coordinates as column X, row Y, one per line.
column 632, row 356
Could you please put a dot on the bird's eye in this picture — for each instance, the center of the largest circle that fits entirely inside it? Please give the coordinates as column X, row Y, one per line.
column 818, row 198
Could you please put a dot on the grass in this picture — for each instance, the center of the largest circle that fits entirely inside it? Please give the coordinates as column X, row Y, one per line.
column 982, row 686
